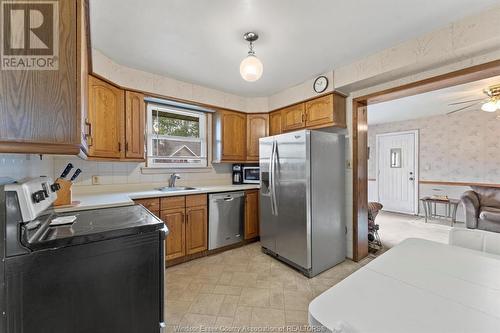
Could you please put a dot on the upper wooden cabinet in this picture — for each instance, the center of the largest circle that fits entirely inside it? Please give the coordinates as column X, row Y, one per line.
column 105, row 119
column 293, row 117
column 115, row 122
column 229, row 131
column 135, row 118
column 275, row 122
column 325, row 111
column 40, row 109
column 257, row 127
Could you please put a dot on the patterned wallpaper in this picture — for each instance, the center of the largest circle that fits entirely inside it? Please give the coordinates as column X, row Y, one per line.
column 462, row 147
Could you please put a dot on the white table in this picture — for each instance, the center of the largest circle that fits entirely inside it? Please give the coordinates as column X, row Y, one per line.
column 417, row 286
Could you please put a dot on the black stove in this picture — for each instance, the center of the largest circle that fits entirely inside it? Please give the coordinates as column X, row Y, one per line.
column 101, row 272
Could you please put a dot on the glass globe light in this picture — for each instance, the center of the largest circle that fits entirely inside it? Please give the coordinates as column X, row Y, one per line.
column 489, row 106
column 251, row 68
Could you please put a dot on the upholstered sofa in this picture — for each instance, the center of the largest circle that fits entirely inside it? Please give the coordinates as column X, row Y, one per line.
column 482, row 208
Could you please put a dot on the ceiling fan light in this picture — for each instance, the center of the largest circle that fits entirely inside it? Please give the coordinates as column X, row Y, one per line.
column 489, row 106
column 251, row 68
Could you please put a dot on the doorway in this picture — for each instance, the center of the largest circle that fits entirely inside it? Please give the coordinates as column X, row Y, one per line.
column 397, row 171
column 360, row 139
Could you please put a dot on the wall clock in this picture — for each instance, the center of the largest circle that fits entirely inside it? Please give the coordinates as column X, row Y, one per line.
column 320, row 84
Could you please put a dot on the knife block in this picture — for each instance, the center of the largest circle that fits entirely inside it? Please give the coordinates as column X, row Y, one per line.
column 64, row 193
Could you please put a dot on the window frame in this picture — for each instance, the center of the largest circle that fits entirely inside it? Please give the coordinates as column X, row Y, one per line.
column 150, row 135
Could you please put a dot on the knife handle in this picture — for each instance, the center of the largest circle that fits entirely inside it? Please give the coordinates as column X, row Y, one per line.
column 66, row 170
column 76, row 174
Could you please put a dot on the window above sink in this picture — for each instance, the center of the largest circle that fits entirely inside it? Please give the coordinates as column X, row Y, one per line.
column 176, row 138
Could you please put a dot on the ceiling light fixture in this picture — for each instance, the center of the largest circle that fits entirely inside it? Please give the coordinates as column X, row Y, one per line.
column 251, row 67
column 493, row 103
column 490, row 106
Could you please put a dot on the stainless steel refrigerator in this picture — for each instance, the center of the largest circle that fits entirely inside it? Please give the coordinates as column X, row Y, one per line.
column 302, row 199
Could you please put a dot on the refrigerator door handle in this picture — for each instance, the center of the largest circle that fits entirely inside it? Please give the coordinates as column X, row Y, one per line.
column 274, row 162
column 271, row 178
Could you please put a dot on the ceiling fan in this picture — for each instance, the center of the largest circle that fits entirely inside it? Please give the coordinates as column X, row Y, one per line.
column 490, row 103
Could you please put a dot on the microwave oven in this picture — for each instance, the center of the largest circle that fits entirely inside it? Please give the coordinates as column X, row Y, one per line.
column 251, row 175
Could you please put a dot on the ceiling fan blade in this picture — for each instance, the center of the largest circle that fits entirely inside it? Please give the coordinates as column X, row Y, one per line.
column 472, row 100
column 463, row 108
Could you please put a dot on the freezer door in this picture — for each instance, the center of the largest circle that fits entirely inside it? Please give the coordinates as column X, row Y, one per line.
column 268, row 221
column 292, row 180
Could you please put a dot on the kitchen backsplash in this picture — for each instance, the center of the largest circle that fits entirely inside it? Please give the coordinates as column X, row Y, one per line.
column 19, row 166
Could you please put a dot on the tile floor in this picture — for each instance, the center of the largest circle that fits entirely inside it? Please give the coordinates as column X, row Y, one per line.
column 243, row 288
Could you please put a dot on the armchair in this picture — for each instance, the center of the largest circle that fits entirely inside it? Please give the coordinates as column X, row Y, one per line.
column 482, row 208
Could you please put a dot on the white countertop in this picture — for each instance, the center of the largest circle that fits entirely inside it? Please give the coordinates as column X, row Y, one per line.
column 95, row 200
column 417, row 286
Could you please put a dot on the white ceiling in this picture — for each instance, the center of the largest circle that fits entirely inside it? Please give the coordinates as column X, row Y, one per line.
column 430, row 104
column 201, row 42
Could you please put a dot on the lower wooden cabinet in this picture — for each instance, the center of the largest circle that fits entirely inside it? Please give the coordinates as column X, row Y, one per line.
column 251, row 214
column 175, row 242
column 196, row 229
column 186, row 219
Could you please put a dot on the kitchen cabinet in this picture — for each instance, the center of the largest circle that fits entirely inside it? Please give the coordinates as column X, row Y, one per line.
column 105, row 119
column 188, row 217
column 257, row 127
column 293, row 117
column 151, row 204
column 116, row 122
column 251, row 214
column 325, row 111
column 229, row 130
column 196, row 229
column 275, row 122
column 41, row 109
column 135, row 119
column 175, row 242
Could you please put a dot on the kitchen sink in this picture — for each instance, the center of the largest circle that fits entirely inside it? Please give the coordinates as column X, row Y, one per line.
column 177, row 188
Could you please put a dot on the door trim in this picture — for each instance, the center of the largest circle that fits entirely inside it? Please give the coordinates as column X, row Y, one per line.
column 417, row 166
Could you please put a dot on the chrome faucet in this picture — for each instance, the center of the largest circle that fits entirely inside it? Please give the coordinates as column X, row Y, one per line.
column 172, row 179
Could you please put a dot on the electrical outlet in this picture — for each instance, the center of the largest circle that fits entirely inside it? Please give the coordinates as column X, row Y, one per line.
column 96, row 180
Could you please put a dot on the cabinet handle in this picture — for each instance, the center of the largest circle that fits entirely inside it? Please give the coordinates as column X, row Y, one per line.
column 88, row 135
column 126, row 146
column 119, row 146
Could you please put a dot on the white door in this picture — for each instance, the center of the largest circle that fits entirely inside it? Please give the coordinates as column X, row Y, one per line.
column 397, row 166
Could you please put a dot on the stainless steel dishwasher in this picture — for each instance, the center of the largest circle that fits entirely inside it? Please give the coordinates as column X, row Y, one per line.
column 226, row 218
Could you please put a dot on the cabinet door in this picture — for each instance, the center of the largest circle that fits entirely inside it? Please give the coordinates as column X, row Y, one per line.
column 275, row 123
column 293, row 117
column 39, row 109
column 106, row 119
column 175, row 242
column 196, row 229
column 319, row 111
column 251, row 214
column 135, row 115
column 234, row 127
column 257, row 127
